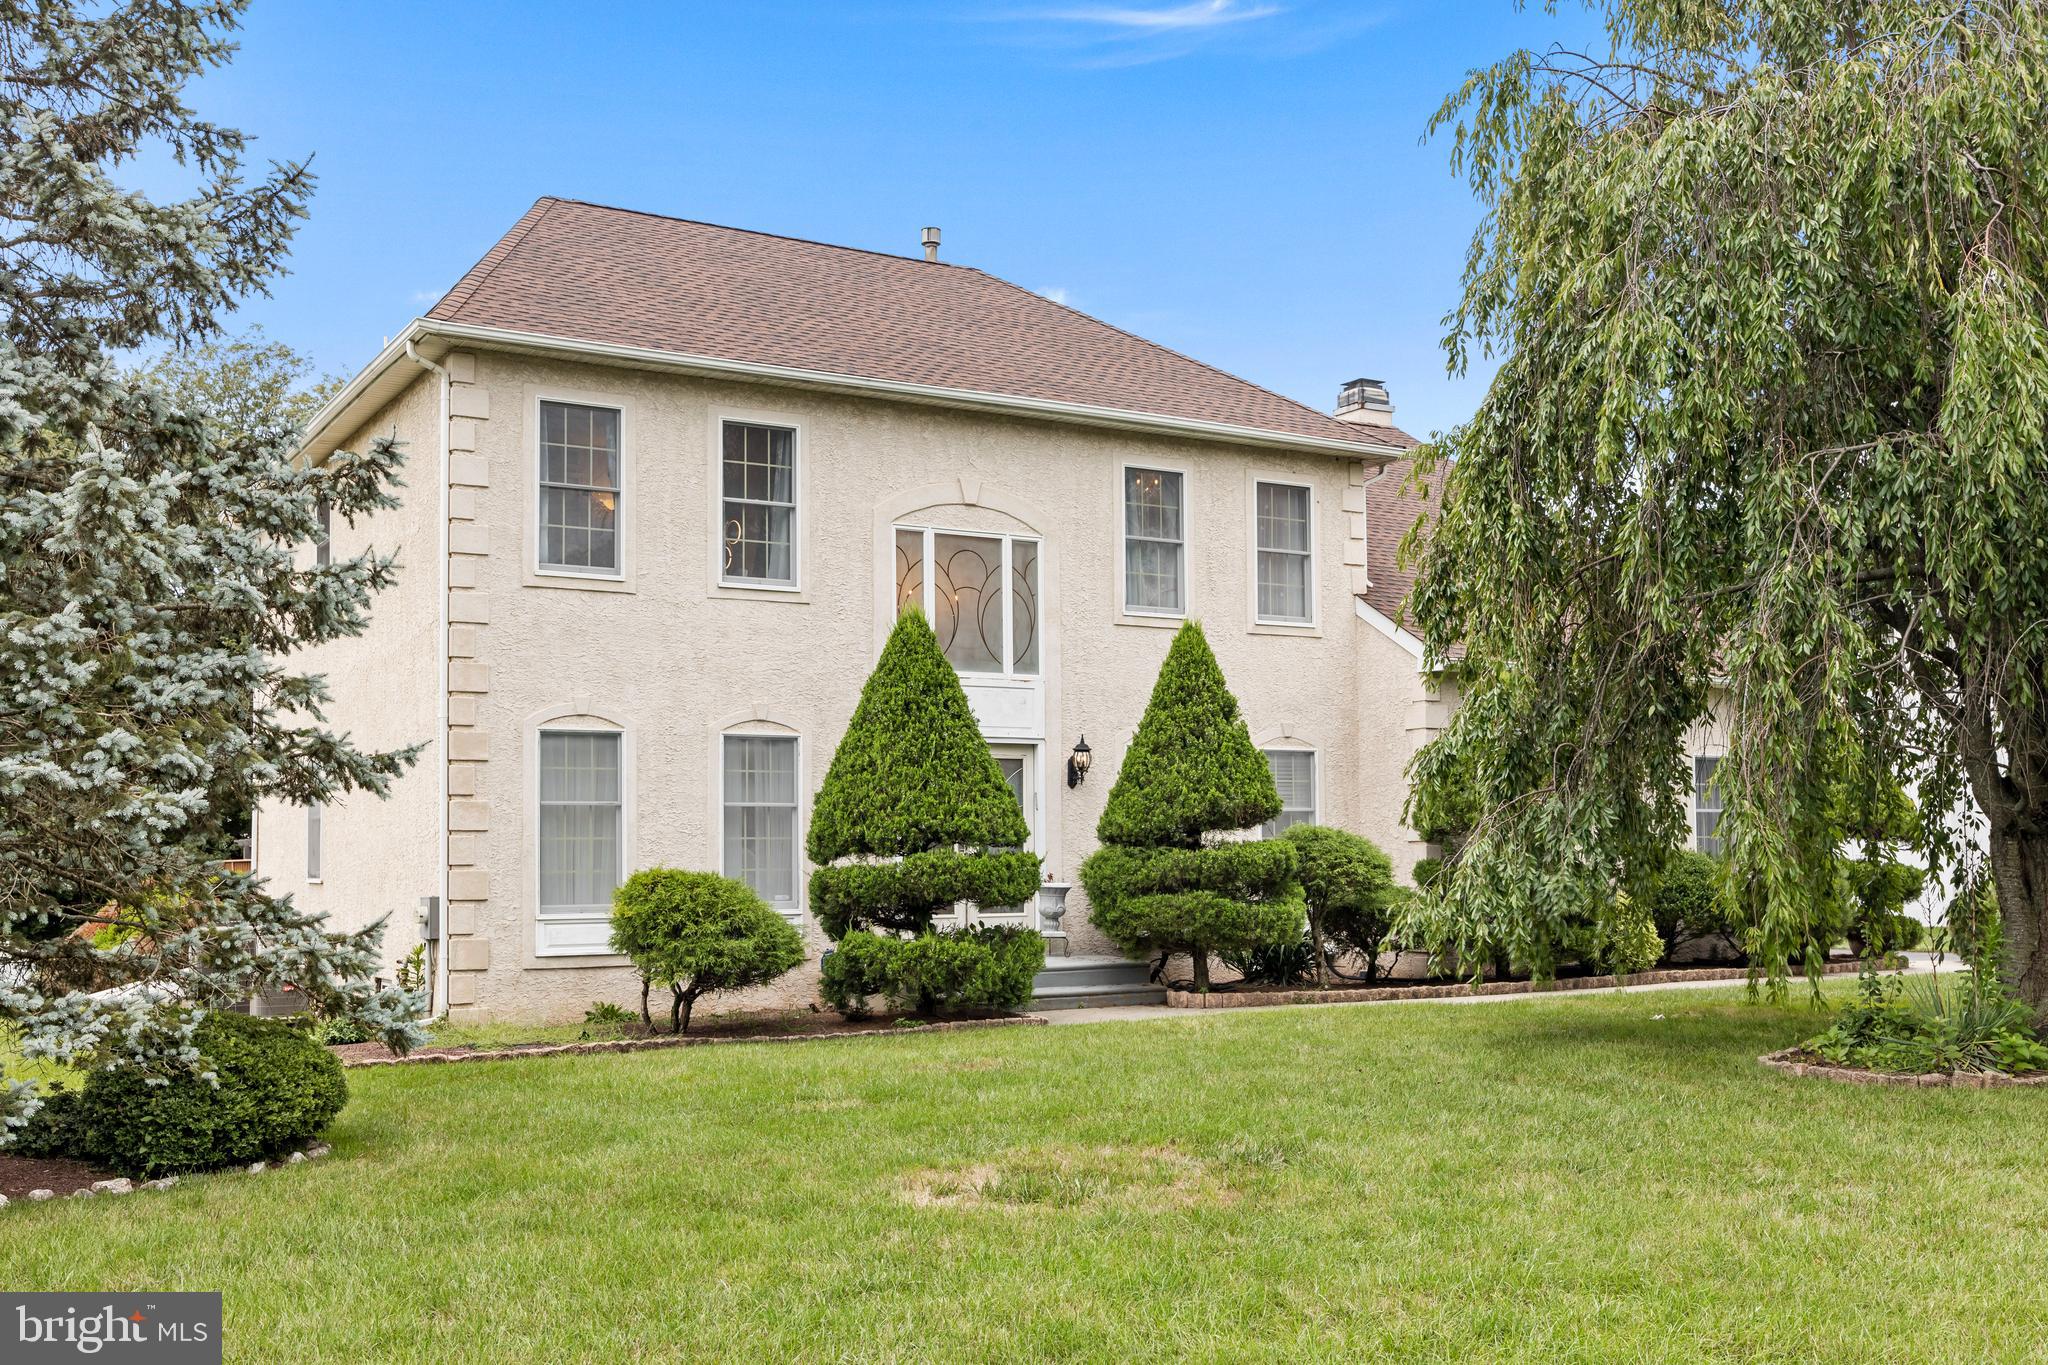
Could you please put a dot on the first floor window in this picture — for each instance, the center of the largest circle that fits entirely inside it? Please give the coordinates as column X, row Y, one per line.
column 1294, row 773
column 759, row 471
column 580, row 821
column 1154, row 538
column 760, row 816
column 579, row 488
column 1706, row 806
column 1285, row 565
column 315, row 817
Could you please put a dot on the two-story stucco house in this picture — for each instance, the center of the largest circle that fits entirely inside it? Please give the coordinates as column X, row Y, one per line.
column 668, row 486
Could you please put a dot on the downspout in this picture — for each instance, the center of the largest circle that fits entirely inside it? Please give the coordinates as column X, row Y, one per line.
column 439, row 1003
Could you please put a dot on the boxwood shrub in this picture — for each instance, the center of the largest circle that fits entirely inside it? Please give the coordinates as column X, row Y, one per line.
column 277, row 1088
column 987, row 967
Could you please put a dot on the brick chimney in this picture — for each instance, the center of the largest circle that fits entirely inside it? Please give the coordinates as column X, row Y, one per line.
column 1365, row 403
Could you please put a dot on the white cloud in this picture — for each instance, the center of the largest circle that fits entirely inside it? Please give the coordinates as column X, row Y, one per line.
column 1057, row 293
column 1172, row 19
column 427, row 295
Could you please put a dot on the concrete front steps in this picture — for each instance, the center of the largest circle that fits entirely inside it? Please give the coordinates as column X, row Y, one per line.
column 1076, row 982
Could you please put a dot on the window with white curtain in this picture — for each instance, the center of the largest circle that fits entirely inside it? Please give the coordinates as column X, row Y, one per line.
column 315, row 820
column 1155, row 540
column 758, row 467
column 579, row 489
column 760, row 810
column 580, row 821
column 1706, row 805
column 1294, row 773
column 1285, row 557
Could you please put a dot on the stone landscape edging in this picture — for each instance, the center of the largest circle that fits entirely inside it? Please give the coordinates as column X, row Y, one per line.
column 682, row 1040
column 1223, row 1000
column 121, row 1185
column 1792, row 1062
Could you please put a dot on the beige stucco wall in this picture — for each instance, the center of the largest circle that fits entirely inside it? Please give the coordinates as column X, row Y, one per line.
column 378, row 856
column 675, row 660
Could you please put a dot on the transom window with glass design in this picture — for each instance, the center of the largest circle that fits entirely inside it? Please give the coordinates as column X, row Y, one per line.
column 1155, row 543
column 1285, row 567
column 758, row 535
column 581, row 826
column 1294, row 773
column 980, row 593
column 759, row 816
column 579, row 489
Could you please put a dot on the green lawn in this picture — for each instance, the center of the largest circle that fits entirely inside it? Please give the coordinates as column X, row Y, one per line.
column 1570, row 1178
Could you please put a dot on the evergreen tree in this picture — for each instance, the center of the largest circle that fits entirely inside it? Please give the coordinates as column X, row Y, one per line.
column 152, row 566
column 914, row 816
column 1162, row 882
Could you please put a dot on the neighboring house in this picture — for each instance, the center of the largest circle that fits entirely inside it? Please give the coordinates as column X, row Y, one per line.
column 668, row 485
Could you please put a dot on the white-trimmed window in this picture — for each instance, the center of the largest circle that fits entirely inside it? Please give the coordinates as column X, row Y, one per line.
column 758, row 472
column 980, row 594
column 316, row 817
column 1155, row 542
column 1294, row 773
column 581, row 821
column 1706, row 805
column 579, row 489
column 323, row 539
column 1285, row 569
column 759, row 816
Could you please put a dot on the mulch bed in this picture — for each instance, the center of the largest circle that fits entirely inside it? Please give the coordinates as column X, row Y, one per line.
column 20, row 1174
column 731, row 1029
column 1797, row 1061
column 1238, row 996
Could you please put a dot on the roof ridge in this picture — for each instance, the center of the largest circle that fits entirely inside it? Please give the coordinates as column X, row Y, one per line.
column 501, row 251
column 1158, row 345
column 760, row 232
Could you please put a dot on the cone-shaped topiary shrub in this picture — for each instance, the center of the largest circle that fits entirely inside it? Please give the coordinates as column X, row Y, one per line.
column 1159, row 884
column 915, row 817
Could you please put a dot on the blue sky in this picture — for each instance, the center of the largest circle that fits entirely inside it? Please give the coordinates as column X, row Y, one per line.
column 1242, row 180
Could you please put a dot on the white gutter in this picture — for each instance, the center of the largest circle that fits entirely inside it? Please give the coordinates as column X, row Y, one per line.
column 441, row 659
column 720, row 367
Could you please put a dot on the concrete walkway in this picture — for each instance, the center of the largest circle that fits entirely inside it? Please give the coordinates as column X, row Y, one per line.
column 1917, row 964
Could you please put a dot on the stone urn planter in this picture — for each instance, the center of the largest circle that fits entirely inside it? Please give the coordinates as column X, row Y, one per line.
column 1052, row 909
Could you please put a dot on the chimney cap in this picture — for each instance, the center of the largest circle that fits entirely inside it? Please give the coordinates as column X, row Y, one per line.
column 931, row 244
column 1365, row 401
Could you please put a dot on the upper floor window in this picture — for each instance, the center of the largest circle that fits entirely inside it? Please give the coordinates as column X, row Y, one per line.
column 758, row 468
column 980, row 593
column 1286, row 561
column 1155, row 541
column 760, row 815
column 1294, row 773
column 579, row 489
column 323, row 539
column 581, row 821
column 1706, row 805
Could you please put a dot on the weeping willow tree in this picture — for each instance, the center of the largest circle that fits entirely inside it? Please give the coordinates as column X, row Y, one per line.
column 1768, row 284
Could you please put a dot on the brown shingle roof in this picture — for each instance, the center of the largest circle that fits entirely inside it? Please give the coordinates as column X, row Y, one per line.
column 589, row 273
column 1392, row 505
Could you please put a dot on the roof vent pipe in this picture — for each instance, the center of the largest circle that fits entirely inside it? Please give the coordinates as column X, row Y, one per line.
column 931, row 244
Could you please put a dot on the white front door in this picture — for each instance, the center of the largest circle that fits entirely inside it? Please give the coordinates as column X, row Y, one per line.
column 1019, row 763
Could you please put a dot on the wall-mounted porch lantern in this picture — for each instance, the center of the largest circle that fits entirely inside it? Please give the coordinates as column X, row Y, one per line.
column 1077, row 763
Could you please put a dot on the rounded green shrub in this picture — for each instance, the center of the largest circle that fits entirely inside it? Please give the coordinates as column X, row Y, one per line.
column 987, row 967
column 1348, row 886
column 1627, row 940
column 1159, row 884
column 274, row 1088
column 900, row 895
column 1689, row 901
column 699, row 934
